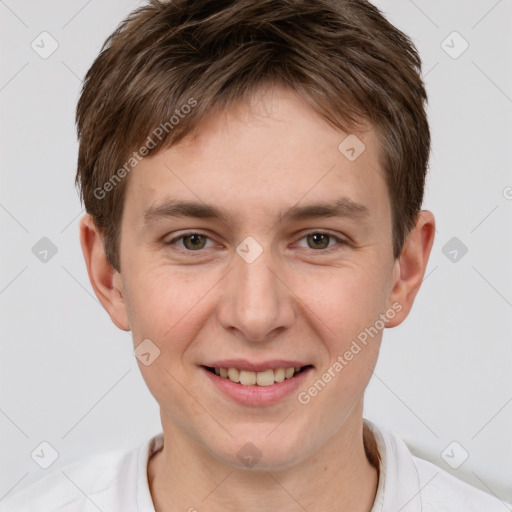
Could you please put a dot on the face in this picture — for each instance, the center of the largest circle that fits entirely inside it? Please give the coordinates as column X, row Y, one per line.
column 271, row 283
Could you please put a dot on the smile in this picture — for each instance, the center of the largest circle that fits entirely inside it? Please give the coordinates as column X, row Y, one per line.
column 262, row 378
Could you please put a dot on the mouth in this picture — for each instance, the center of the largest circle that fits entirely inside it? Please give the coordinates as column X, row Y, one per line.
column 262, row 378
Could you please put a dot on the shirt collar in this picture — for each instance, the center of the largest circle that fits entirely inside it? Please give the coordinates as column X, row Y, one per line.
column 151, row 446
column 399, row 485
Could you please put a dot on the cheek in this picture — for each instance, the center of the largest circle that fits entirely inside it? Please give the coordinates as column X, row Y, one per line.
column 348, row 306
column 157, row 300
column 346, row 299
column 164, row 308
column 351, row 329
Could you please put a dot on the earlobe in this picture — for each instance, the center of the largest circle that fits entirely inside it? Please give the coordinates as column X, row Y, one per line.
column 105, row 280
column 410, row 268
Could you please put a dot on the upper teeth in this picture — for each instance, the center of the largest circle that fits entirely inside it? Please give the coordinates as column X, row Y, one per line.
column 264, row 378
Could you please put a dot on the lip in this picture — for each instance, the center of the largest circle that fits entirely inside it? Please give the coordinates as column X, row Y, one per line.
column 243, row 364
column 257, row 395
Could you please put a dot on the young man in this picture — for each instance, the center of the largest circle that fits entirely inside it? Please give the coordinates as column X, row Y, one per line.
column 253, row 173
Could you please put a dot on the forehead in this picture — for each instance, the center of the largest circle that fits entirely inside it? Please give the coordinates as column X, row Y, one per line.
column 256, row 158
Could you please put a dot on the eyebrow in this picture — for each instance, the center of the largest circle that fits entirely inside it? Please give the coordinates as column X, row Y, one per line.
column 342, row 207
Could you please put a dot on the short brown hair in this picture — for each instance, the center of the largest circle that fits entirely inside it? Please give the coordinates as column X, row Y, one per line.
column 342, row 56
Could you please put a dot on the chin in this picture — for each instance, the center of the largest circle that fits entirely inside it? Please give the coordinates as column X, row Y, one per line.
column 263, row 452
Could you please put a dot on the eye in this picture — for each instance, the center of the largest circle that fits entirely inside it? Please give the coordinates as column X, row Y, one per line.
column 318, row 240
column 192, row 241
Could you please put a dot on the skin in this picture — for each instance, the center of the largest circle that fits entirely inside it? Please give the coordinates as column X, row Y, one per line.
column 295, row 301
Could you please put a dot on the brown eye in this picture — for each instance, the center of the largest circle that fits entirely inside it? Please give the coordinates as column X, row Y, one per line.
column 318, row 240
column 195, row 241
column 322, row 242
column 190, row 242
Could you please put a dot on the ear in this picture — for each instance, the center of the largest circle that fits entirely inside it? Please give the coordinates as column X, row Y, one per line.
column 410, row 267
column 105, row 280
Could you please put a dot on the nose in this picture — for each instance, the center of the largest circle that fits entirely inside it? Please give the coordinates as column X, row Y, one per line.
column 256, row 303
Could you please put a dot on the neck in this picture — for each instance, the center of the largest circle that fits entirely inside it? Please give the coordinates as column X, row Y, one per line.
column 342, row 475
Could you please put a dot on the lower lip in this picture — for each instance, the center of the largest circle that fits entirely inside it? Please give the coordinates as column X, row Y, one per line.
column 257, row 395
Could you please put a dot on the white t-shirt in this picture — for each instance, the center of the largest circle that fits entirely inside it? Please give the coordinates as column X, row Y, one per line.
column 117, row 481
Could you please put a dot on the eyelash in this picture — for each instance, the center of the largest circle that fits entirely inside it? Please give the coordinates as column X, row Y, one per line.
column 328, row 250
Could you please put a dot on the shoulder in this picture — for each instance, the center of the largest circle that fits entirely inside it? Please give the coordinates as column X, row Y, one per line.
column 411, row 484
column 88, row 484
column 441, row 491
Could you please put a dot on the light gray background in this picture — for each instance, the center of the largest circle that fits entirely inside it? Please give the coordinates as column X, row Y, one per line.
column 68, row 375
